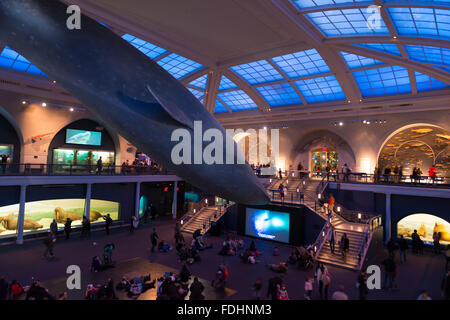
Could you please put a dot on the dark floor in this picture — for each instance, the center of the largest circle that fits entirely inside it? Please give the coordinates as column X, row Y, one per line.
column 132, row 255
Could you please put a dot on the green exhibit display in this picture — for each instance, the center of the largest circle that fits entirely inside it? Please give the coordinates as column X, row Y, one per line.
column 7, row 149
column 40, row 214
column 75, row 136
column 66, row 157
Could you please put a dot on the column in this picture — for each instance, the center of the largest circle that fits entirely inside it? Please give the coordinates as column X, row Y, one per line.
column 174, row 204
column 137, row 200
column 387, row 220
column 87, row 206
column 21, row 217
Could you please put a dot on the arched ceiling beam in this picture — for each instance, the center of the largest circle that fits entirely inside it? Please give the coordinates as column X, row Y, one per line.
column 194, row 75
column 400, row 61
column 252, row 93
column 386, row 39
column 332, row 57
column 212, row 86
column 226, row 106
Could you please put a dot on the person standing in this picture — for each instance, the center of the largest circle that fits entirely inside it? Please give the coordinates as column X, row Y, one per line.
column 403, row 246
column 68, row 227
column 432, row 174
column 345, row 245
column 154, row 238
column 331, row 238
column 390, row 270
column 86, row 227
column 49, row 241
column 280, row 176
column 4, row 162
column 362, row 285
column 257, row 286
column 108, row 223
column 436, row 242
column 54, row 227
column 445, row 286
column 99, row 165
column 273, row 287
column 308, row 287
column 323, row 280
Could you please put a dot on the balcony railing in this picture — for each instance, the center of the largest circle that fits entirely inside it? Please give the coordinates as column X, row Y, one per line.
column 27, row 169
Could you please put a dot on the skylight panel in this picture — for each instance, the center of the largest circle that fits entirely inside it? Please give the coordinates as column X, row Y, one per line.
column 383, row 47
column 346, row 22
column 178, row 66
column 10, row 59
column 320, row 89
column 383, row 81
column 315, row 3
column 237, row 100
column 200, row 82
column 150, row 50
column 426, row 83
column 279, row 95
column 428, row 22
column 220, row 108
column 354, row 61
column 196, row 93
column 257, row 72
column 303, row 63
column 428, row 54
column 226, row 84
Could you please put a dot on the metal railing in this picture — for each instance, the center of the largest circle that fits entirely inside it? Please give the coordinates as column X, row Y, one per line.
column 392, row 179
column 322, row 237
column 214, row 217
column 32, row 169
column 203, row 203
column 373, row 224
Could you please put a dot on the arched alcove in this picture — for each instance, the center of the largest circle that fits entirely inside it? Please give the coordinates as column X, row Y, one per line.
column 426, row 225
column 11, row 139
column 320, row 143
column 417, row 145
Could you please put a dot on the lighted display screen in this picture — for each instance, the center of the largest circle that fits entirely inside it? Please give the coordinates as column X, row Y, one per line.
column 426, row 225
column 91, row 138
column 266, row 224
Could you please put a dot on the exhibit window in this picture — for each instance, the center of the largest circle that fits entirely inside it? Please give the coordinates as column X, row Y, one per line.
column 6, row 154
column 80, row 160
column 426, row 225
column 40, row 214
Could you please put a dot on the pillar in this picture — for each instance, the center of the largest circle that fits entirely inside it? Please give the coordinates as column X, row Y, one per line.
column 387, row 219
column 87, row 206
column 174, row 204
column 21, row 217
column 137, row 200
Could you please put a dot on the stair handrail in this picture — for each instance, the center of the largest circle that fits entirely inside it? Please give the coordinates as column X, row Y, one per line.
column 194, row 210
column 321, row 238
column 221, row 210
column 373, row 224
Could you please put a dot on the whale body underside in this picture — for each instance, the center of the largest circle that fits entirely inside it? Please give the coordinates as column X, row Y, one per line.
column 123, row 88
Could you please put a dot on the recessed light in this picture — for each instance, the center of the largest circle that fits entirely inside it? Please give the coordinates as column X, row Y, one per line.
column 395, row 37
column 44, row 104
column 24, row 102
column 341, row 123
column 364, row 121
column 71, row 109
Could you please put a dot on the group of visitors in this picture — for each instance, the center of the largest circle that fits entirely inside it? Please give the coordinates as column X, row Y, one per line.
column 35, row 291
column 395, row 174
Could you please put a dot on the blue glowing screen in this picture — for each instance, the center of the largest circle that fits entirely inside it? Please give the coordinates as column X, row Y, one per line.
column 266, row 224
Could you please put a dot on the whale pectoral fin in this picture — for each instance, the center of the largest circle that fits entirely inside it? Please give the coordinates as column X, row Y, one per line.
column 153, row 111
column 172, row 109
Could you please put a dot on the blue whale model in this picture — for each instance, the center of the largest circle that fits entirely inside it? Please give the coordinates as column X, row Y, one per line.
column 125, row 89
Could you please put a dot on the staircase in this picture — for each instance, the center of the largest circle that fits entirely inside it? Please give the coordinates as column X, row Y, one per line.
column 351, row 261
column 201, row 220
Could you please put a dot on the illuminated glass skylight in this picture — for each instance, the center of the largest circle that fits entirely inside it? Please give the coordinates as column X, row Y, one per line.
column 320, row 89
column 279, row 95
column 226, row 84
column 10, row 59
column 346, row 22
column 426, row 83
column 150, row 50
column 383, row 47
column 257, row 72
column 178, row 66
column 355, row 61
column 315, row 3
column 196, row 93
column 301, row 63
column 200, row 82
column 220, row 108
column 383, row 81
column 427, row 54
column 237, row 100
column 421, row 21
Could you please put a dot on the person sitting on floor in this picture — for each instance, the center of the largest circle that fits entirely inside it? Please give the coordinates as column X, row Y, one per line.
column 184, row 275
column 279, row 268
column 91, row 291
column 293, row 258
column 16, row 290
column 253, row 249
column 164, row 247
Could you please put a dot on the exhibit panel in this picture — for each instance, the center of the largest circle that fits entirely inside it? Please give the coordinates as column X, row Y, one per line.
column 426, row 225
column 267, row 224
column 40, row 214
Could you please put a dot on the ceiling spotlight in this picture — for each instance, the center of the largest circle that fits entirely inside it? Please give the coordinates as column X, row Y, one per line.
column 71, row 109
column 24, row 102
column 395, row 37
column 44, row 104
column 341, row 123
column 265, row 128
column 364, row 121
column 54, row 81
column 368, row 122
